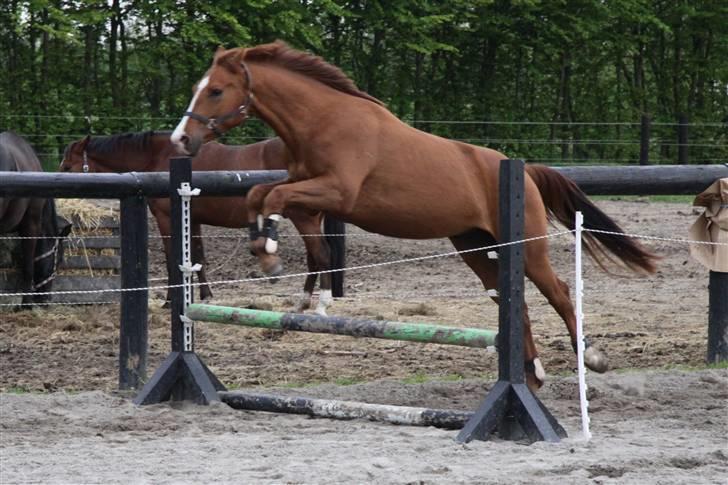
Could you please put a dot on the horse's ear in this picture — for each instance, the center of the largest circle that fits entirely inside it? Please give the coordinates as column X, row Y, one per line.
column 230, row 58
column 85, row 141
column 220, row 49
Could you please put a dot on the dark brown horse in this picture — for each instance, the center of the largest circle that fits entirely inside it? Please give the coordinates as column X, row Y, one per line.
column 35, row 220
column 354, row 159
column 150, row 151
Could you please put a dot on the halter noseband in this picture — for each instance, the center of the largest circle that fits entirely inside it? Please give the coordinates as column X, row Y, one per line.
column 242, row 110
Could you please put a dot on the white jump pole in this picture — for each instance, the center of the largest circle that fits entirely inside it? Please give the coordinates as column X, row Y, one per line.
column 579, row 290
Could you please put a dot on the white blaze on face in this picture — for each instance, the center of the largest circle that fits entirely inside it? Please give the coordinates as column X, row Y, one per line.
column 179, row 131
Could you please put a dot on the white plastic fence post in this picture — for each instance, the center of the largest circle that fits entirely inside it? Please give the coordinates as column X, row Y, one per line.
column 579, row 290
column 187, row 268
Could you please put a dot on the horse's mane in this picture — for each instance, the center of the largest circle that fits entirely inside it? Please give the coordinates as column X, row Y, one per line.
column 109, row 145
column 309, row 65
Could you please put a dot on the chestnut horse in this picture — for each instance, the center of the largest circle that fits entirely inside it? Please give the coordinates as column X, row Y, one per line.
column 34, row 219
column 354, row 159
column 150, row 151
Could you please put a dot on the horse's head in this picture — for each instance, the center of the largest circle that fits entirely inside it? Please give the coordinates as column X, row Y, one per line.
column 75, row 158
column 220, row 101
column 49, row 249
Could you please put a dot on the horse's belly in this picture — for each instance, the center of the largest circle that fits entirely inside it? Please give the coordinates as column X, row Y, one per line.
column 12, row 212
column 413, row 221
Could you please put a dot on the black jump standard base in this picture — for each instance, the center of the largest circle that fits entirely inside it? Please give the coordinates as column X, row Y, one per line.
column 182, row 376
column 510, row 408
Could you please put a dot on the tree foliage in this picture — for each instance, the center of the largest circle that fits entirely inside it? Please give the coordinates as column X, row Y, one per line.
column 587, row 69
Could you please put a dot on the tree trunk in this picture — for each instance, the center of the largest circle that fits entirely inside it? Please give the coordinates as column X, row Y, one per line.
column 113, row 40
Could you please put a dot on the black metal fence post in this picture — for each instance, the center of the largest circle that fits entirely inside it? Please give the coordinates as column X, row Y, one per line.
column 510, row 407
column 645, row 140
column 133, row 327
column 717, row 318
column 682, row 139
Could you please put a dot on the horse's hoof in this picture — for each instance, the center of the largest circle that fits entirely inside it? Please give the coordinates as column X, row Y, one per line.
column 206, row 296
column 304, row 303
column 535, row 374
column 533, row 382
column 321, row 311
column 273, row 271
column 596, row 360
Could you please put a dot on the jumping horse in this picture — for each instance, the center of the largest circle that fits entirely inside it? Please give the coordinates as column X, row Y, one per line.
column 150, row 151
column 352, row 158
column 35, row 220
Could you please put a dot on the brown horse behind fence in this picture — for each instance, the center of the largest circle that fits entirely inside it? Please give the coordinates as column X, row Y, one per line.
column 150, row 151
column 354, row 159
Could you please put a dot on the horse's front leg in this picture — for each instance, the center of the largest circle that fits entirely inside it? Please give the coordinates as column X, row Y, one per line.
column 259, row 232
column 320, row 194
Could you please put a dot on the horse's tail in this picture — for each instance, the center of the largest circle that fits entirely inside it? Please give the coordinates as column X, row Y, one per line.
column 337, row 248
column 562, row 198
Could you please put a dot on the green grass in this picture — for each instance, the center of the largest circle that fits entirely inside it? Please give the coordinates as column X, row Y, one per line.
column 348, row 381
column 17, row 390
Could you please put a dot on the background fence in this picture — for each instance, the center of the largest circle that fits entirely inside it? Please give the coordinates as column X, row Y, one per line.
column 642, row 140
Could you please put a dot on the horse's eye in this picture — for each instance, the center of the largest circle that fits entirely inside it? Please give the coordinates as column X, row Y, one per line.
column 215, row 92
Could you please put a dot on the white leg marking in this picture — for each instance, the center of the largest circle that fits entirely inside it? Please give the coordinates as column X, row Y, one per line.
column 325, row 300
column 271, row 246
column 179, row 131
column 539, row 370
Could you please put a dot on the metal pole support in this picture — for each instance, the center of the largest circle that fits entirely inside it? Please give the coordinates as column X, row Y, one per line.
column 182, row 376
column 717, row 318
column 510, row 407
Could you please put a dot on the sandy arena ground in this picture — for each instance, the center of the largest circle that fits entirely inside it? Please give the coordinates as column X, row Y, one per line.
column 652, row 422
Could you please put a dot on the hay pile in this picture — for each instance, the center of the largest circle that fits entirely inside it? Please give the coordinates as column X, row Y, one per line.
column 88, row 219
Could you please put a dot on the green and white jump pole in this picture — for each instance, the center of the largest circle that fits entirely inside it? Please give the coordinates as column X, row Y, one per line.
column 408, row 331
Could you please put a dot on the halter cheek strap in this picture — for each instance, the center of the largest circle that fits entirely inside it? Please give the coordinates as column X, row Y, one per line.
column 212, row 124
column 85, row 166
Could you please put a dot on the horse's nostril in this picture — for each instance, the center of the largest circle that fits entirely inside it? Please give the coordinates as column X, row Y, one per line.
column 184, row 139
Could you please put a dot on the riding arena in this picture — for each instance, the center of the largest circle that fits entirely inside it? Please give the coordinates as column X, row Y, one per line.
column 446, row 314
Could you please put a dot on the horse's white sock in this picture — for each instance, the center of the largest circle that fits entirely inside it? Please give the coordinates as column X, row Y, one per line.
column 324, row 301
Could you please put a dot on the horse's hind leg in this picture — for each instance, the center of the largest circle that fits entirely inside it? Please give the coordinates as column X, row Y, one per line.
column 487, row 271
column 540, row 272
column 318, row 259
column 198, row 256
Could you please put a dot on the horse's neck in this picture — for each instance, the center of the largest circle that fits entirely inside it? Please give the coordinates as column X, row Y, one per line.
column 152, row 159
column 285, row 101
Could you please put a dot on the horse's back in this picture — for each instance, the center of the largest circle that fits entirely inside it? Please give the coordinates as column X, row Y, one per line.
column 263, row 155
column 16, row 154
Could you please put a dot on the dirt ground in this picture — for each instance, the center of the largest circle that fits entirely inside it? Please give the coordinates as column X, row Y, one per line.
column 664, row 426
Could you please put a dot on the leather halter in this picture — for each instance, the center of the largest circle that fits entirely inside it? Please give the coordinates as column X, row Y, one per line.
column 85, row 166
column 242, row 110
